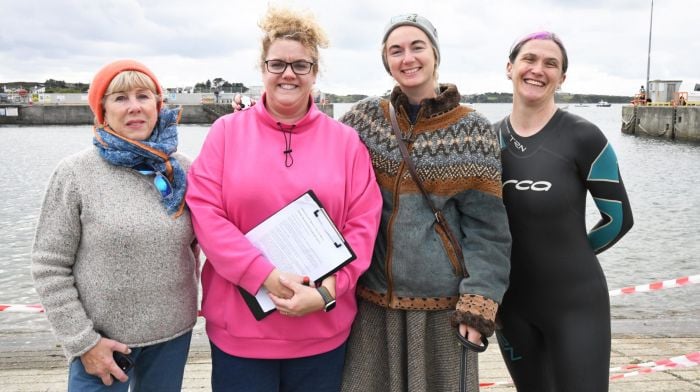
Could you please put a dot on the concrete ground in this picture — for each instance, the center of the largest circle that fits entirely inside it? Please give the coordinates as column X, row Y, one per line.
column 33, row 362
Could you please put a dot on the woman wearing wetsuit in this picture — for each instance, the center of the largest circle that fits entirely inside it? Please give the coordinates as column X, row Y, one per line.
column 555, row 316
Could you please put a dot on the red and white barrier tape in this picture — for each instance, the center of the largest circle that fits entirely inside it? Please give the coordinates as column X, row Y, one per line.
column 35, row 309
column 493, row 384
column 21, row 308
column 655, row 286
column 682, row 361
column 687, row 360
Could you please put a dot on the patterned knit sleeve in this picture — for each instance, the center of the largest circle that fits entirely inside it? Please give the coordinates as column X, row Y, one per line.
column 55, row 245
column 364, row 205
column 353, row 117
column 486, row 237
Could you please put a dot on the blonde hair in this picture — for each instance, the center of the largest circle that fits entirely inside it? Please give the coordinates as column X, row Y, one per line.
column 127, row 80
column 283, row 23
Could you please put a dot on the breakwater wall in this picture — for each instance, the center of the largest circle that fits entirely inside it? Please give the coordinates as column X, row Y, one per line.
column 61, row 114
column 82, row 115
column 669, row 122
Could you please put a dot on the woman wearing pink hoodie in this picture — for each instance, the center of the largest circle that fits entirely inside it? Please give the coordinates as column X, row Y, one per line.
column 253, row 163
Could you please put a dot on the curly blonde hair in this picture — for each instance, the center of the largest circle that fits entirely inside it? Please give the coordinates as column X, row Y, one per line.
column 283, row 23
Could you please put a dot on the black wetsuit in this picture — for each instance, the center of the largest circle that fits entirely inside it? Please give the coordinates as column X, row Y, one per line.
column 555, row 315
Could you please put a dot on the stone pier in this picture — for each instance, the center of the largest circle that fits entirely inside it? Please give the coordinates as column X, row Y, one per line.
column 669, row 122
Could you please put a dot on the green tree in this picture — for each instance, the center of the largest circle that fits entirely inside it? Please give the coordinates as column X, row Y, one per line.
column 238, row 88
column 218, row 82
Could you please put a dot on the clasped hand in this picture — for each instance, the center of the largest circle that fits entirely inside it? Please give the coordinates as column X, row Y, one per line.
column 291, row 297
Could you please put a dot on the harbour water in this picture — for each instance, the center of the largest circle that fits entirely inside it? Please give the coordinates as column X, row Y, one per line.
column 661, row 177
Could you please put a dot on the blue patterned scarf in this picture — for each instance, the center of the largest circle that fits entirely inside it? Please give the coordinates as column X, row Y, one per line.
column 155, row 151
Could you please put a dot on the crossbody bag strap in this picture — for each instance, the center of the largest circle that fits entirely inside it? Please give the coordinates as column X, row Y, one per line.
column 439, row 217
column 407, row 158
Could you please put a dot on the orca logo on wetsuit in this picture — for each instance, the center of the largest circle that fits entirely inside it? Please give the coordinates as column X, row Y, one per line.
column 529, row 185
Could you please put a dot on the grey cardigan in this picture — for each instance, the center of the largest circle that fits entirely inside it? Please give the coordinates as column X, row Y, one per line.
column 108, row 259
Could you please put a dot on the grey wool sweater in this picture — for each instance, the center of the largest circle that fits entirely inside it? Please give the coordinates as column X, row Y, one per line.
column 108, row 260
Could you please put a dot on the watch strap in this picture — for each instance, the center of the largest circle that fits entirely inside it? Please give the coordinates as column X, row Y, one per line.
column 328, row 300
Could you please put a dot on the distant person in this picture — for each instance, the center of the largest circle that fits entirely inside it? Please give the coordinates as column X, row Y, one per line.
column 253, row 163
column 555, row 316
column 238, row 103
column 642, row 96
column 681, row 101
column 429, row 299
column 114, row 260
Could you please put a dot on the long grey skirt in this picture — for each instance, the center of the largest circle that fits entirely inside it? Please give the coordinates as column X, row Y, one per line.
column 405, row 351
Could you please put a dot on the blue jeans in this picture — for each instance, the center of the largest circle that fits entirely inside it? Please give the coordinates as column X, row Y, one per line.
column 322, row 372
column 159, row 367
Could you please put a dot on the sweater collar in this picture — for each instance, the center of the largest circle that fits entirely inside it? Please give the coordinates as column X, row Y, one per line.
column 300, row 126
column 446, row 100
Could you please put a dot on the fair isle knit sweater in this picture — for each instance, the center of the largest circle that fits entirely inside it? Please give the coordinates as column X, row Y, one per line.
column 107, row 257
column 457, row 157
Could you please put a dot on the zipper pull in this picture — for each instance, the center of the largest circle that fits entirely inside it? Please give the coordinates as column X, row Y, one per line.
column 410, row 138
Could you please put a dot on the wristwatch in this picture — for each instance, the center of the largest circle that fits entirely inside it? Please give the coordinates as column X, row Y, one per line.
column 327, row 298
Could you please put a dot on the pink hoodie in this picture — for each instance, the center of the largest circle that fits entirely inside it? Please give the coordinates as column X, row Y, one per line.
column 238, row 180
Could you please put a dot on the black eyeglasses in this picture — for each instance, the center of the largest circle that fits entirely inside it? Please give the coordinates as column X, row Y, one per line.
column 160, row 181
column 300, row 67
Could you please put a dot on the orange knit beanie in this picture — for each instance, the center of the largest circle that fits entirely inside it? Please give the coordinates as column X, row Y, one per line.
column 104, row 77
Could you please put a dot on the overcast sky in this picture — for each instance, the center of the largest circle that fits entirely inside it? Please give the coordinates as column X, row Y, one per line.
column 188, row 41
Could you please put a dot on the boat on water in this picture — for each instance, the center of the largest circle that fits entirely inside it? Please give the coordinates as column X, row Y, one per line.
column 603, row 104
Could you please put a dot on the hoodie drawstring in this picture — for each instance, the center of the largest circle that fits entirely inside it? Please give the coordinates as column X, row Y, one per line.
column 288, row 158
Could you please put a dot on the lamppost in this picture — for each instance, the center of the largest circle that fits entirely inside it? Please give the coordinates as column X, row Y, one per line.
column 651, row 19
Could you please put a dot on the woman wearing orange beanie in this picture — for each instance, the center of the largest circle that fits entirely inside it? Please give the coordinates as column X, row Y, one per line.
column 113, row 260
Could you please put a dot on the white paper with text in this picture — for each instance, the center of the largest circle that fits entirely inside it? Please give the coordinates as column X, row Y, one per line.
column 300, row 238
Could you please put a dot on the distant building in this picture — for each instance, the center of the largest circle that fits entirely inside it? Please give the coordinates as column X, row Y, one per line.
column 255, row 92
column 663, row 90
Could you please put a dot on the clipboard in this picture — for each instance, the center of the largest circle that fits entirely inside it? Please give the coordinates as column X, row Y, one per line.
column 301, row 238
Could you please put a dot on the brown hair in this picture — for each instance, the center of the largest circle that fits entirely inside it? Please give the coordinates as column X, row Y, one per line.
column 436, row 54
column 544, row 35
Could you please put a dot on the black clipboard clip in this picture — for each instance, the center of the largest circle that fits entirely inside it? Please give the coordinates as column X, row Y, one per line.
column 321, row 210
